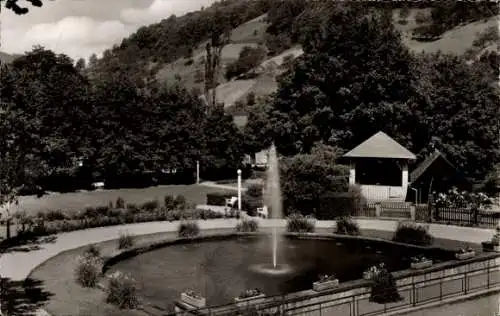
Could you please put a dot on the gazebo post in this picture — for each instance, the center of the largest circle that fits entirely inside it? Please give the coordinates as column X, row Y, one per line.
column 352, row 173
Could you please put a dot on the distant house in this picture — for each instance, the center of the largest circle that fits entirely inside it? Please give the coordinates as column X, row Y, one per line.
column 379, row 166
column 259, row 159
column 435, row 173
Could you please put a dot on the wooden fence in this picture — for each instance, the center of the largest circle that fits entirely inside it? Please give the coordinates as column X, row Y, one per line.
column 429, row 214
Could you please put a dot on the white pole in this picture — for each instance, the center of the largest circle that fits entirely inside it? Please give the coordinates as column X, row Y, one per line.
column 197, row 172
column 239, row 190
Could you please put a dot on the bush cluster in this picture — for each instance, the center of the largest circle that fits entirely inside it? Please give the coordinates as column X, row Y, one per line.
column 188, row 229
column 89, row 268
column 298, row 223
column 384, row 288
column 247, row 226
column 122, row 291
column 412, row 233
column 125, row 241
column 346, row 226
column 57, row 221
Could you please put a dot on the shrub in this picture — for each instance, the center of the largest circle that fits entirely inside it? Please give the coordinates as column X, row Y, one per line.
column 180, row 202
column 150, row 206
column 384, row 288
column 120, row 203
column 122, row 291
column 133, row 208
column 421, row 17
column 188, row 229
column 247, row 226
column 88, row 270
column 125, row 241
column 346, row 226
column 298, row 223
column 218, row 198
column 93, row 251
column 57, row 215
column 412, row 233
column 254, row 190
column 101, row 210
column 169, row 202
column 90, row 212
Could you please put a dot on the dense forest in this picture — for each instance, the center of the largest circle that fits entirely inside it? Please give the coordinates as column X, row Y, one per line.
column 67, row 124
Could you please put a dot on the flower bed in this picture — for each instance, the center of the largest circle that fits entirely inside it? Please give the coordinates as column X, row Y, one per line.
column 420, row 262
column 466, row 253
column 325, row 282
column 193, row 298
column 253, row 296
column 54, row 222
column 494, row 244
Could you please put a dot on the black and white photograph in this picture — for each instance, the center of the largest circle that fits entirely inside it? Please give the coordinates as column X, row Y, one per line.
column 249, row 158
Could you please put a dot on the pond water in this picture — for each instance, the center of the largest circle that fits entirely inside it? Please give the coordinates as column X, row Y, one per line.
column 221, row 270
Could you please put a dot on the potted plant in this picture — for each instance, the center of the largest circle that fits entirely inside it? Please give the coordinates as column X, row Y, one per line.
column 253, row 296
column 466, row 253
column 420, row 262
column 193, row 298
column 325, row 282
column 494, row 244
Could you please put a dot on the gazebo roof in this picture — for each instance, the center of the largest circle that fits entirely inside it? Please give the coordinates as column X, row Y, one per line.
column 380, row 146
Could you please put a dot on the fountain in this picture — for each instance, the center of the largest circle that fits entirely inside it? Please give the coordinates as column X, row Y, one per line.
column 274, row 201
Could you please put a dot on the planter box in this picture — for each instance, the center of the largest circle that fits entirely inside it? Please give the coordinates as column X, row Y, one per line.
column 321, row 286
column 488, row 246
column 466, row 255
column 421, row 265
column 257, row 299
column 193, row 301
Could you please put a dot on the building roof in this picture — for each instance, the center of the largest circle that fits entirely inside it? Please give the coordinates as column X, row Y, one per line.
column 420, row 170
column 380, row 146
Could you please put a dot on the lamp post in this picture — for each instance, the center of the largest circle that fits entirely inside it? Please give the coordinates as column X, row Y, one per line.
column 239, row 190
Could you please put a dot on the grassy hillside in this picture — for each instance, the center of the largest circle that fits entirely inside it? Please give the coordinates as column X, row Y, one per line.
column 176, row 46
column 7, row 58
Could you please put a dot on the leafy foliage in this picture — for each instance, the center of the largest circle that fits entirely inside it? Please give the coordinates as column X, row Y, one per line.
column 357, row 78
column 122, row 291
column 88, row 270
column 17, row 9
column 412, row 233
column 125, row 241
column 248, row 59
column 309, row 180
column 298, row 223
column 188, row 229
column 247, row 226
column 384, row 288
column 346, row 226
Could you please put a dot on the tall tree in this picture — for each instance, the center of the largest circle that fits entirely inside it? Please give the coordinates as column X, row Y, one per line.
column 351, row 80
column 455, row 108
column 223, row 151
column 50, row 90
column 219, row 37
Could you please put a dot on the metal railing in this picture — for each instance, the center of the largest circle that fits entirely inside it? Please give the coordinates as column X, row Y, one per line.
column 414, row 294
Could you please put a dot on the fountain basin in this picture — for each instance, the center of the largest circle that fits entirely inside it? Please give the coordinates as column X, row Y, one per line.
column 221, row 268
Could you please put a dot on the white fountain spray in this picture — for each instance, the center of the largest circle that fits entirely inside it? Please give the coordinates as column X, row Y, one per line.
column 273, row 197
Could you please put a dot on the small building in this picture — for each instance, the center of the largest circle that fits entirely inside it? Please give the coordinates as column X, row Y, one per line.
column 259, row 159
column 435, row 173
column 379, row 166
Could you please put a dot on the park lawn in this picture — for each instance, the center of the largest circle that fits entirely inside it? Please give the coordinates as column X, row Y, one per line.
column 57, row 276
column 194, row 194
column 69, row 298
